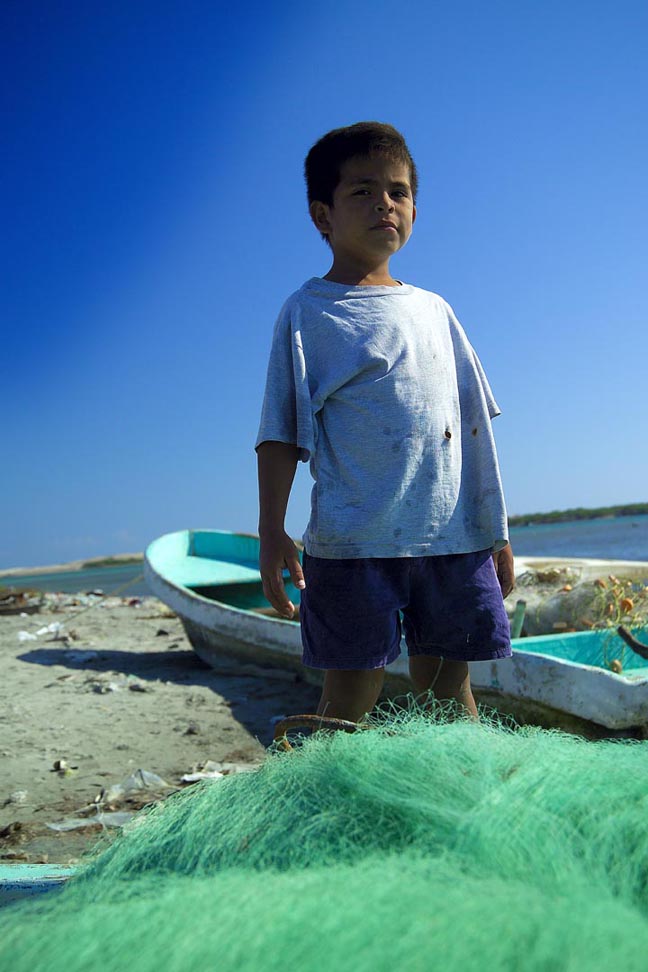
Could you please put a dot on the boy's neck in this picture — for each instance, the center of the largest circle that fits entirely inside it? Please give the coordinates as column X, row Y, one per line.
column 361, row 275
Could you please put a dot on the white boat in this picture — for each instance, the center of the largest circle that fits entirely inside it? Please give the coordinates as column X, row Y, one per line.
column 210, row 578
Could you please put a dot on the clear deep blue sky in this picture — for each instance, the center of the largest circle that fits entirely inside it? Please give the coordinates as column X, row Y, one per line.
column 155, row 220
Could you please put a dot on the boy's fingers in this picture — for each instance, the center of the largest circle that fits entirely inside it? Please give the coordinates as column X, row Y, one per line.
column 505, row 569
column 275, row 592
column 507, row 586
column 296, row 573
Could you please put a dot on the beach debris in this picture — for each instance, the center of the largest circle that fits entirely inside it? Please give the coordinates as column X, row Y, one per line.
column 17, row 797
column 110, row 819
column 567, row 587
column 207, row 771
column 63, row 768
column 13, row 833
column 22, row 602
column 212, row 770
column 104, row 685
column 55, row 629
column 616, row 666
column 161, row 633
column 139, row 781
column 626, row 604
column 134, row 601
column 193, row 729
column 100, row 687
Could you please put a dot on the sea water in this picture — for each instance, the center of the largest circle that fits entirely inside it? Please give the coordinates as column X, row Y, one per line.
column 609, row 538
column 613, row 538
column 124, row 580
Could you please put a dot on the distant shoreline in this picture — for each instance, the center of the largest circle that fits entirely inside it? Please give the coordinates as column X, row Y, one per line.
column 116, row 560
column 528, row 519
column 580, row 513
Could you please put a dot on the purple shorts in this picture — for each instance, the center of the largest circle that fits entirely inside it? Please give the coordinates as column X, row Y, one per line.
column 451, row 607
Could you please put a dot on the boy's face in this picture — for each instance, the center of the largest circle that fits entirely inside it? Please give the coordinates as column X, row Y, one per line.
column 373, row 210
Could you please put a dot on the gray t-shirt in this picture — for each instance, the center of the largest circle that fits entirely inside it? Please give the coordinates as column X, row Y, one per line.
column 380, row 389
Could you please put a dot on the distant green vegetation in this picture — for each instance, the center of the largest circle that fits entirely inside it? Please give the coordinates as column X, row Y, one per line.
column 579, row 513
column 111, row 562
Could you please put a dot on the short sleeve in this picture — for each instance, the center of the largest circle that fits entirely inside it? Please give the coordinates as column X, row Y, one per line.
column 286, row 415
column 466, row 358
column 493, row 407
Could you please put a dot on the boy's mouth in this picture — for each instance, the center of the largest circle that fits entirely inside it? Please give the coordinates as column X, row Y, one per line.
column 385, row 225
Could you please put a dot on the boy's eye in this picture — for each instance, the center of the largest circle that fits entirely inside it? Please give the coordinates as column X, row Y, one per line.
column 361, row 192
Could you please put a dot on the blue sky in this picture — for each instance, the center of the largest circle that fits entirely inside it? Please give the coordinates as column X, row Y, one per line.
column 153, row 196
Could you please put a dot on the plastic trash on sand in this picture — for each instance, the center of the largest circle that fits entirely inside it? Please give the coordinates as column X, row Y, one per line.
column 209, row 771
column 117, row 819
column 137, row 782
column 17, row 797
column 215, row 771
column 55, row 629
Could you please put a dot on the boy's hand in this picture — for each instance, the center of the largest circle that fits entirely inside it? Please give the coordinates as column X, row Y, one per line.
column 505, row 569
column 279, row 551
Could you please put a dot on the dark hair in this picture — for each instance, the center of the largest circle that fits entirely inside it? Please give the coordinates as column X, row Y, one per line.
column 325, row 159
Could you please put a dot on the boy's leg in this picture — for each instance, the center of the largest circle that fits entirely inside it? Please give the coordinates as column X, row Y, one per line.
column 445, row 678
column 350, row 694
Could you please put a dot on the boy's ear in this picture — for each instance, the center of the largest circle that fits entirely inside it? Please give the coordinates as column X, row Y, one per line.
column 319, row 213
column 413, row 215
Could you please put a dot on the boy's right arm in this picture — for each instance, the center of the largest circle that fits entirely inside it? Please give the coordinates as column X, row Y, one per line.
column 277, row 463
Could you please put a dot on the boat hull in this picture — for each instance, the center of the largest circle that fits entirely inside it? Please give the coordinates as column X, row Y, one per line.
column 533, row 686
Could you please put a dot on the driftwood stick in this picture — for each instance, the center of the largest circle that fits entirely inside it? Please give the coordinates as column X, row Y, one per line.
column 634, row 643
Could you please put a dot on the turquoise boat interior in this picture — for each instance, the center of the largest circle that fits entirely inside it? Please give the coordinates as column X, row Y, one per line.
column 217, row 565
column 597, row 648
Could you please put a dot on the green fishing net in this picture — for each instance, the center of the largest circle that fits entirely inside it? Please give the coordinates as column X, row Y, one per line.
column 421, row 843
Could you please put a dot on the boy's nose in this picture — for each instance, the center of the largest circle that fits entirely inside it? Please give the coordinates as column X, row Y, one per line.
column 384, row 205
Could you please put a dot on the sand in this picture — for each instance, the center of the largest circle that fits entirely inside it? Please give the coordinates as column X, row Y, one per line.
column 117, row 689
column 124, row 692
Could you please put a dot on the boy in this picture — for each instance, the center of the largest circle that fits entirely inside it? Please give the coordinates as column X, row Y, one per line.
column 375, row 383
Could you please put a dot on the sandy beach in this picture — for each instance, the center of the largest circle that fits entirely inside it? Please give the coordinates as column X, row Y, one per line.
column 123, row 692
column 106, row 707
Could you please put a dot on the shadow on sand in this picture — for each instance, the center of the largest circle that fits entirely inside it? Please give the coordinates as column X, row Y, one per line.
column 255, row 699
